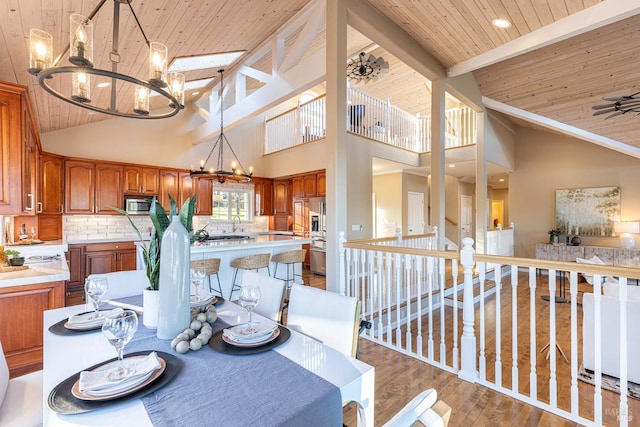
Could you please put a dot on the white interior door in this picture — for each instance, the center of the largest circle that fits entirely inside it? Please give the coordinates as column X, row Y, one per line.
column 415, row 220
column 466, row 217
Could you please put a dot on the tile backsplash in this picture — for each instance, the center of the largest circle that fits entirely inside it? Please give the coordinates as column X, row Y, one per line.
column 81, row 228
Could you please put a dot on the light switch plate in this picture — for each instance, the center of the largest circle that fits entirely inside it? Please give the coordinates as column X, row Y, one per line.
column 356, row 227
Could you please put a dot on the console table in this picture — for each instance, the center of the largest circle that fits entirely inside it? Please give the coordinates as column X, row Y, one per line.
column 611, row 256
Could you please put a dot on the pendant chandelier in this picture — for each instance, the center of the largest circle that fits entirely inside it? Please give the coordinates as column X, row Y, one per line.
column 80, row 49
column 365, row 69
column 237, row 173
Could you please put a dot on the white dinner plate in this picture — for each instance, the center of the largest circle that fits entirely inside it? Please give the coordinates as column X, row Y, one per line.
column 259, row 341
column 122, row 389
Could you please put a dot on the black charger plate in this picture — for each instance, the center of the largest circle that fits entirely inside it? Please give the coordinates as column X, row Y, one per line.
column 62, row 401
column 217, row 343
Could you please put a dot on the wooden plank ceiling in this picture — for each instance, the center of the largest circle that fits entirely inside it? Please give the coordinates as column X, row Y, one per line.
column 561, row 81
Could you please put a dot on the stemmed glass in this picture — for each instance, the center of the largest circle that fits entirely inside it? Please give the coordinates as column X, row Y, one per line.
column 197, row 276
column 119, row 328
column 249, row 298
column 96, row 288
column 32, row 233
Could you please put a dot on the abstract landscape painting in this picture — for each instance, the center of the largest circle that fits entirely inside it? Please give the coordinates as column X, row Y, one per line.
column 587, row 211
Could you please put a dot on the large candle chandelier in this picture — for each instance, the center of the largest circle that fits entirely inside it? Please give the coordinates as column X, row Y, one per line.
column 80, row 49
column 237, row 172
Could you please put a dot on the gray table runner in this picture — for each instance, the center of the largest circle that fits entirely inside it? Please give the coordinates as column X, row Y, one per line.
column 215, row 389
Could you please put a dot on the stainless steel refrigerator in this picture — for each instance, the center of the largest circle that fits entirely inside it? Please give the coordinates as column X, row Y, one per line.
column 318, row 230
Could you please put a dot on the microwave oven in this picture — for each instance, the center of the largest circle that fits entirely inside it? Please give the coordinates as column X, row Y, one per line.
column 137, row 205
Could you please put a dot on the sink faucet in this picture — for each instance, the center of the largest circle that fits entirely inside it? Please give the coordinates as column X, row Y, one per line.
column 234, row 222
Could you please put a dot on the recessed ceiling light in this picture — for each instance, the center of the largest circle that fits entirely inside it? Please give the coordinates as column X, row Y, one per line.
column 501, row 23
column 103, row 84
column 452, row 165
column 195, row 93
column 501, row 180
column 200, row 62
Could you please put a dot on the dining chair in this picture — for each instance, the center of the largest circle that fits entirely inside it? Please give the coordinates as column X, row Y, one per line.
column 20, row 398
column 423, row 410
column 271, row 294
column 326, row 316
column 122, row 283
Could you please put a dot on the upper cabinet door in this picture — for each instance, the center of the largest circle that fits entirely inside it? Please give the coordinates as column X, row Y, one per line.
column 108, row 189
column 169, row 184
column 204, row 196
column 321, row 186
column 79, row 184
column 51, row 180
column 141, row 180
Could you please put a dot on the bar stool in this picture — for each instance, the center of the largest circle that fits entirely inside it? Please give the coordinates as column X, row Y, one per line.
column 289, row 259
column 211, row 266
column 249, row 262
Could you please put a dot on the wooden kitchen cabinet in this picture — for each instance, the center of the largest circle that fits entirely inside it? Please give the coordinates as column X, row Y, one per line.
column 20, row 145
column 169, row 184
column 281, row 196
column 109, row 257
column 321, row 183
column 263, row 196
column 139, row 180
column 79, row 185
column 91, row 187
column 108, row 190
column 300, row 216
column 204, row 196
column 21, row 322
column 51, row 184
column 304, row 185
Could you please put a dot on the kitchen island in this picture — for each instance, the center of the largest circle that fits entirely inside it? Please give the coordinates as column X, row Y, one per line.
column 24, row 295
column 228, row 249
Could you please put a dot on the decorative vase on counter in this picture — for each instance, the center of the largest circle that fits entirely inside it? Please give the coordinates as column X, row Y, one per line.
column 150, row 308
column 174, row 287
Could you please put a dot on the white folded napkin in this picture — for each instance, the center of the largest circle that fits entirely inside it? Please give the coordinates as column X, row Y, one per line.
column 263, row 331
column 88, row 319
column 98, row 379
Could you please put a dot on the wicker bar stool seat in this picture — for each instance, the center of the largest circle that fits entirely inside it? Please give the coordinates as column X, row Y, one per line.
column 211, row 266
column 249, row 262
column 289, row 259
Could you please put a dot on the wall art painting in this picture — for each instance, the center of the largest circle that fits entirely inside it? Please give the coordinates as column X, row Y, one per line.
column 587, row 211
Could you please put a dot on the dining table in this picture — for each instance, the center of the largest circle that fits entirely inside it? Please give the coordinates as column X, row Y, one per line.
column 297, row 381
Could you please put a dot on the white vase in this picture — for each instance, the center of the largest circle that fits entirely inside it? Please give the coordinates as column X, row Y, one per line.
column 175, row 257
column 150, row 308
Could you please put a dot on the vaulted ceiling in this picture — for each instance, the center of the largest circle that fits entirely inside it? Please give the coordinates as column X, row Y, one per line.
column 534, row 66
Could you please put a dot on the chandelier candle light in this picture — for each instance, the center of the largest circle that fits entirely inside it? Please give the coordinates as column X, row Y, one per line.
column 236, row 173
column 80, row 50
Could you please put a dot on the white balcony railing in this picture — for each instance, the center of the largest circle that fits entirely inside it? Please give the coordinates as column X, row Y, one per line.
column 482, row 317
column 372, row 118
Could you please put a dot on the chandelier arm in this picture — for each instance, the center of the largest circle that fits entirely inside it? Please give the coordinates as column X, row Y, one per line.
column 139, row 25
column 210, row 153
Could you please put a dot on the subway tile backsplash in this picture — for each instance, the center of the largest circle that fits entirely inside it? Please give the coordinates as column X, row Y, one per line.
column 82, row 228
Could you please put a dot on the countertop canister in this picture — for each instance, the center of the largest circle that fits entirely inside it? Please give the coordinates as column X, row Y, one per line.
column 175, row 258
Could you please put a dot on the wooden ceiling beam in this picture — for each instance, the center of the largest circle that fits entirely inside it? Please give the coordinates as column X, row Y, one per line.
column 597, row 16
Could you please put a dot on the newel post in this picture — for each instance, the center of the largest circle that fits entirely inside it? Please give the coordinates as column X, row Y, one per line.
column 468, row 341
column 342, row 286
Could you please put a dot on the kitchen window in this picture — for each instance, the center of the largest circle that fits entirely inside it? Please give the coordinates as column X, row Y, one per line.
column 229, row 203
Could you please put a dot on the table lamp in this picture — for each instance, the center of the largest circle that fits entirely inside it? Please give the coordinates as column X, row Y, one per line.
column 626, row 229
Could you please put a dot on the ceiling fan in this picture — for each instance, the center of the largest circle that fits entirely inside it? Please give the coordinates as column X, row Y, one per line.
column 619, row 105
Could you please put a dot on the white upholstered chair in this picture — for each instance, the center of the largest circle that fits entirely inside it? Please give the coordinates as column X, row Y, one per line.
column 271, row 294
column 422, row 410
column 20, row 398
column 123, row 283
column 327, row 316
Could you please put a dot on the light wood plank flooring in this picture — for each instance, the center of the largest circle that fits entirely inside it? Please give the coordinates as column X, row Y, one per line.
column 399, row 378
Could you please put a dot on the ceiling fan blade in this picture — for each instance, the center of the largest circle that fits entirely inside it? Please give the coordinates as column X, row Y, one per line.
column 600, row 107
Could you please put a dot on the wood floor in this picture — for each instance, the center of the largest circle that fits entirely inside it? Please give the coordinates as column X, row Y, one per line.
column 399, row 378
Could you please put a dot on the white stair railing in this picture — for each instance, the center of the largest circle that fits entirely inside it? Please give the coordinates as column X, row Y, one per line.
column 409, row 294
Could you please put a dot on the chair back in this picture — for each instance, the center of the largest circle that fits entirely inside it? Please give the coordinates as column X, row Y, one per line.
column 123, row 283
column 210, row 266
column 327, row 316
column 251, row 262
column 271, row 294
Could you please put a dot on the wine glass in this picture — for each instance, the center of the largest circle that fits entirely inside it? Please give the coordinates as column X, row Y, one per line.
column 32, row 233
column 249, row 298
column 119, row 328
column 197, row 276
column 96, row 288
